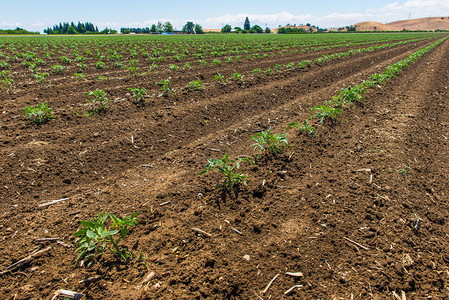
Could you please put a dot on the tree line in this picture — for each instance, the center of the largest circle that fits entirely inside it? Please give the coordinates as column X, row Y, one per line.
column 80, row 28
column 18, row 30
column 246, row 28
column 167, row 27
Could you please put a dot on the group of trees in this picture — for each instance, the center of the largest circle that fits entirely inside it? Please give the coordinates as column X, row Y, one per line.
column 294, row 30
column 80, row 28
column 18, row 30
column 246, row 28
column 167, row 27
column 191, row 28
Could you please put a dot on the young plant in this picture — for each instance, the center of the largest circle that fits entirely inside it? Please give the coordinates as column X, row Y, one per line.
column 4, row 65
column 40, row 62
column 5, row 80
column 119, row 64
column 256, row 72
column 65, row 60
column 229, row 168
column 40, row 77
column 268, row 71
column 39, row 114
column 216, row 62
column 271, row 143
column 303, row 127
column 290, row 66
column 99, row 101
column 404, row 170
column 102, row 236
column 219, row 78
column 195, row 85
column 173, row 67
column 82, row 66
column 139, row 94
column 153, row 67
column 100, row 65
column 79, row 76
column 165, row 86
column 323, row 112
column 58, row 69
column 132, row 71
column 237, row 76
column 349, row 95
column 304, row 63
column 278, row 67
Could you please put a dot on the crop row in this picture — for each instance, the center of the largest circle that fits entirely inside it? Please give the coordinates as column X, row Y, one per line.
column 272, row 144
column 177, row 48
column 131, row 67
column 115, row 60
column 331, row 109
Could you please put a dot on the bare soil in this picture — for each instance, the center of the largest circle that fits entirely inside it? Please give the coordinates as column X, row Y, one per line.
column 378, row 177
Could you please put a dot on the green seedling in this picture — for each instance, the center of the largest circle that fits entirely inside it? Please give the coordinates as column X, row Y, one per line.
column 304, row 63
column 257, row 72
column 323, row 112
column 303, row 127
column 139, row 94
column 165, row 86
column 65, row 60
column 102, row 236
column 173, row 67
column 132, row 71
column 349, row 95
column 5, row 80
column 404, row 170
column 219, row 78
column 268, row 71
column 99, row 101
column 153, row 67
column 4, row 65
column 119, row 64
column 229, row 168
column 58, row 69
column 39, row 114
column 237, row 76
column 195, row 85
column 79, row 76
column 267, row 142
column 40, row 78
column 82, row 66
column 100, row 65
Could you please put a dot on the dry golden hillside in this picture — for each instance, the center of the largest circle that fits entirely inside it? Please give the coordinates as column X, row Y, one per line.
column 432, row 23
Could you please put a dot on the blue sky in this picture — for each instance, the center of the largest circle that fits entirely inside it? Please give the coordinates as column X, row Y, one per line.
column 37, row 15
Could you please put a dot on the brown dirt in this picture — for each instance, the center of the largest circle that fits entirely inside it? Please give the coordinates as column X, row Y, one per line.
column 294, row 215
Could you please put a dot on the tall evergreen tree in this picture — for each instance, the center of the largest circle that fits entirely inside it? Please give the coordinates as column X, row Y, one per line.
column 247, row 24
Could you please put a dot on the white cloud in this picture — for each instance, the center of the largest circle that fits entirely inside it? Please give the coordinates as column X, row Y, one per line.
column 6, row 25
column 391, row 12
column 394, row 11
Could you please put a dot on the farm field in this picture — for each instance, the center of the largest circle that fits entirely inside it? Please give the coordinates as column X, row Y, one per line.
column 360, row 209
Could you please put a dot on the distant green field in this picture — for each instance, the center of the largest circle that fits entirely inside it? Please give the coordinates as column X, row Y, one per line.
column 44, row 58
